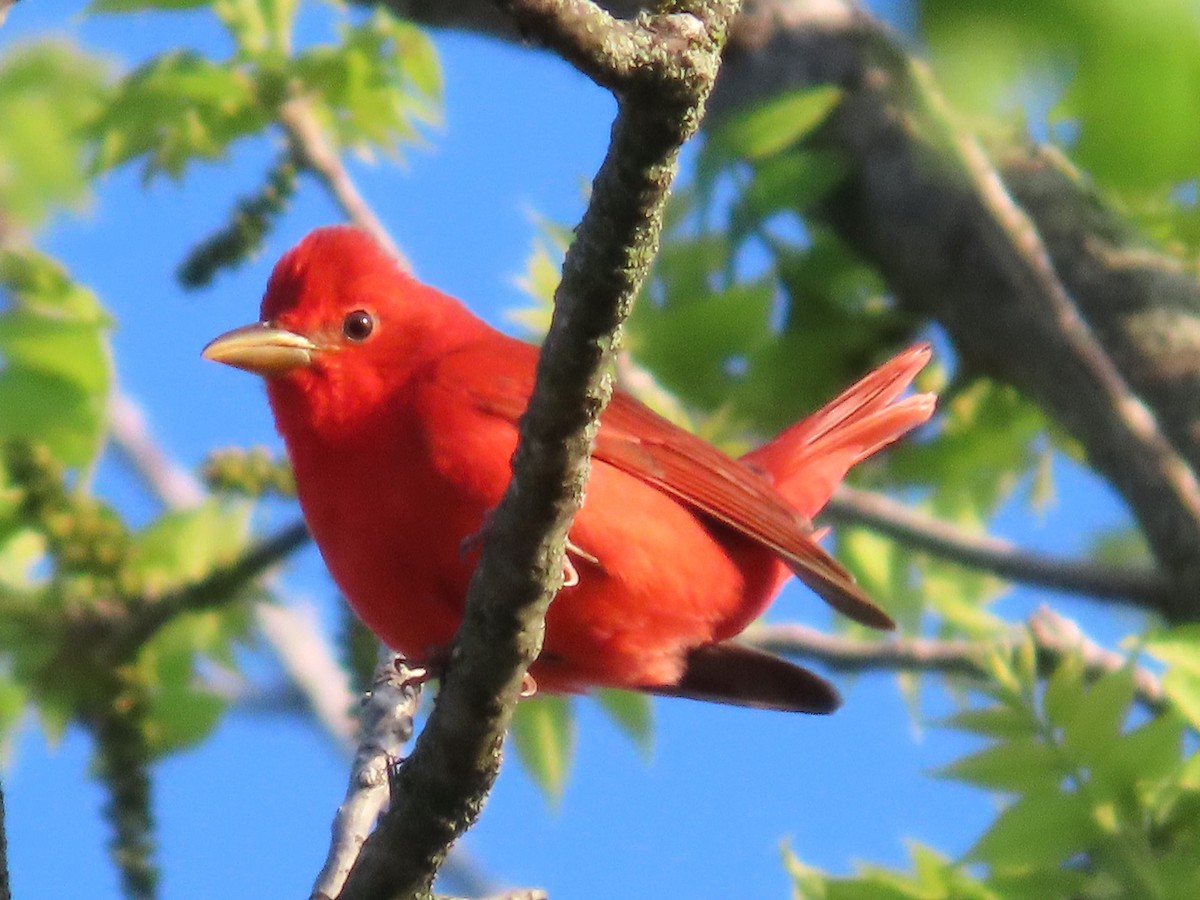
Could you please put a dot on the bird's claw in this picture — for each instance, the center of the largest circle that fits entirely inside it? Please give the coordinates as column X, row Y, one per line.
column 528, row 686
column 570, row 573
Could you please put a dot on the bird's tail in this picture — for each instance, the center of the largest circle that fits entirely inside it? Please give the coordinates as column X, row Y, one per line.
column 806, row 461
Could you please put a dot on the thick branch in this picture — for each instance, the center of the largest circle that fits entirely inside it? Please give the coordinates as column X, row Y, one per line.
column 880, row 513
column 440, row 789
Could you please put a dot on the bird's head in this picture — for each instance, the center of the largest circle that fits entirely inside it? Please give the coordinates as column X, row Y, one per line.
column 339, row 327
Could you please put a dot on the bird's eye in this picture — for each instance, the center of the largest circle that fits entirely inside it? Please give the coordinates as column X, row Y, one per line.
column 358, row 325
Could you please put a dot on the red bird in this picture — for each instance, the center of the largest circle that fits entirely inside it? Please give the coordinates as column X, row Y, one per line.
column 399, row 409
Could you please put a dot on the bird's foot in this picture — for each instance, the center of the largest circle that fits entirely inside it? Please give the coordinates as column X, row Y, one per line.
column 528, row 686
column 417, row 672
column 570, row 573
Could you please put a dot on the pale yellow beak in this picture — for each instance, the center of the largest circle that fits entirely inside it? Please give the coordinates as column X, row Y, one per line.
column 262, row 349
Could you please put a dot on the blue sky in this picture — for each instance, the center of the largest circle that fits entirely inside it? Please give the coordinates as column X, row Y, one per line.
column 247, row 813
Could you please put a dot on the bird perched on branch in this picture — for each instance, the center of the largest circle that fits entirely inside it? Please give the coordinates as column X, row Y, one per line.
column 399, row 410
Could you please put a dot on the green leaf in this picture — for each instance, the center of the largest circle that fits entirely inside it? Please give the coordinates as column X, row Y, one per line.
column 178, row 108
column 777, row 124
column 1064, row 690
column 1092, row 730
column 791, row 181
column 52, row 89
column 1000, row 720
column 1148, row 753
column 54, row 351
column 633, row 713
column 181, row 711
column 1021, row 765
column 1038, row 830
column 1183, row 689
column 543, row 729
column 375, row 86
column 183, row 547
column 698, row 340
column 1179, row 647
column 1039, row 884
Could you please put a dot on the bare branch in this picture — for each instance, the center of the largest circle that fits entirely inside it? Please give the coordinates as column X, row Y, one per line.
column 437, row 794
column 5, row 890
column 1144, row 588
column 387, row 724
column 313, row 152
column 170, row 482
column 310, row 662
column 1054, row 637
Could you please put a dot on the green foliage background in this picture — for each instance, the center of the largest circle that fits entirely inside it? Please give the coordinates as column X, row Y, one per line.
column 109, row 626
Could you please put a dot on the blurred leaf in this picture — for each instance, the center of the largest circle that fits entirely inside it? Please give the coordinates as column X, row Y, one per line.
column 766, row 129
column 1064, row 690
column 543, row 729
column 1038, row 830
column 56, row 371
column 633, row 713
column 1178, row 647
column 1039, row 883
column 1150, row 752
column 1000, row 720
column 51, row 88
column 1183, row 689
column 181, row 712
column 1121, row 71
column 1020, row 765
column 1121, row 547
column 375, row 86
column 716, row 329
column 176, row 109
column 183, row 547
column 1095, row 724
column 791, row 181
column 543, row 270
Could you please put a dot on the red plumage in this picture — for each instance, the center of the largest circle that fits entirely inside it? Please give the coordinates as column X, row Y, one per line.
column 401, row 444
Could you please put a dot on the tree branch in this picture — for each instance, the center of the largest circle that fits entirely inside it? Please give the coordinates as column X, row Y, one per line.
column 1054, row 636
column 438, row 792
column 5, row 890
column 387, row 724
column 1144, row 588
column 312, row 150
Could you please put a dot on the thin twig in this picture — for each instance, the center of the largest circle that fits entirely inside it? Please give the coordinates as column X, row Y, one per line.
column 1144, row 587
column 5, row 890
column 1054, row 636
column 170, row 483
column 313, row 151
column 143, row 620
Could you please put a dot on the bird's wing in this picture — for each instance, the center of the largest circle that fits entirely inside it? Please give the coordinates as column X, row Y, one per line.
column 642, row 443
column 639, row 441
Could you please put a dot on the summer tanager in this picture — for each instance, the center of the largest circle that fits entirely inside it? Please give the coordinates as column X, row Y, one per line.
column 399, row 410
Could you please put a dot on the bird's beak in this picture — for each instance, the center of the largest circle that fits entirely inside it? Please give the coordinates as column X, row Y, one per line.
column 262, row 349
